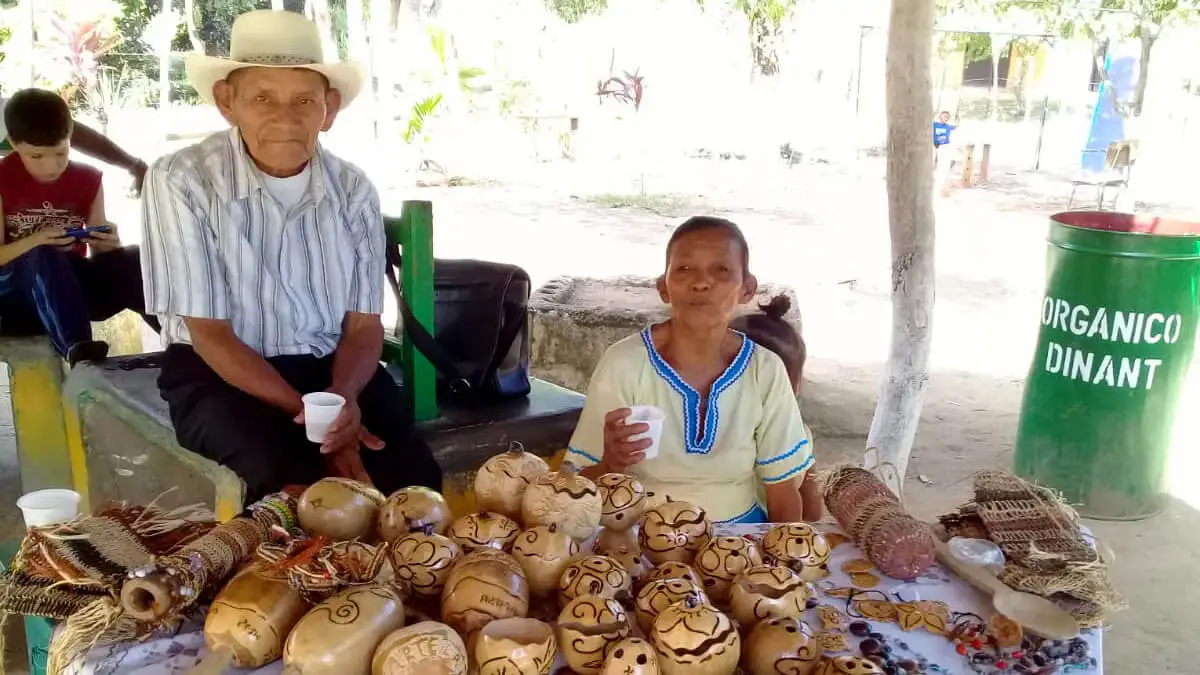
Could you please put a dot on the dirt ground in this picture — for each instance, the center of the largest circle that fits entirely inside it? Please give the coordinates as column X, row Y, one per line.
column 823, row 230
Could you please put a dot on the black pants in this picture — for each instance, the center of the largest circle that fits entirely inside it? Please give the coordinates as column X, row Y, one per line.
column 265, row 447
column 51, row 292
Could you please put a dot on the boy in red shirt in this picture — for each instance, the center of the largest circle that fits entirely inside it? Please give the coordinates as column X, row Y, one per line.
column 46, row 275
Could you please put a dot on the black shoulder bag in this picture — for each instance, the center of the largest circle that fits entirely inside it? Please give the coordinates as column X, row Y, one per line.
column 480, row 341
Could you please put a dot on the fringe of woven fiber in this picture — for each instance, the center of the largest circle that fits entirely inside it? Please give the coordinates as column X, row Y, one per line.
column 21, row 594
column 1088, row 595
column 101, row 622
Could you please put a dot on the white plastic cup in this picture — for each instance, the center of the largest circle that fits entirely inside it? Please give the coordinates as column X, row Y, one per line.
column 321, row 408
column 652, row 416
column 49, row 507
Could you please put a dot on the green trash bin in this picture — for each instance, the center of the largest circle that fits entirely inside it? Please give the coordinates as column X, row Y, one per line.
column 1101, row 412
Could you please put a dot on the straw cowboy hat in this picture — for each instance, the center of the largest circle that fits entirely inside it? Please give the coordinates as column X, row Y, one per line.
column 274, row 39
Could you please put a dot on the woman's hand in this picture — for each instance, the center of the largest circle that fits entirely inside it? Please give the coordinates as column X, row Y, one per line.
column 620, row 453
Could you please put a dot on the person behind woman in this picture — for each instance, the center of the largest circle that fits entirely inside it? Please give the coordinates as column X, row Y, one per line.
column 768, row 328
column 731, row 414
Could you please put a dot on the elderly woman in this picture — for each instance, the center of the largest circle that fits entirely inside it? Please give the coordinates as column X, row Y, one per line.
column 731, row 414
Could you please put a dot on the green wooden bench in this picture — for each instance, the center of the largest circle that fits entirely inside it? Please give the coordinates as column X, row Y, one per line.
column 122, row 444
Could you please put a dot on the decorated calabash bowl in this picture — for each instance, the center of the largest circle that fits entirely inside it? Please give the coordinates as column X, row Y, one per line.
column 484, row 586
column 563, row 498
column 767, row 591
column 413, row 509
column 622, row 501
column 722, row 560
column 544, row 553
column 848, row 665
column 339, row 508
column 695, row 638
column 781, row 646
column 674, row 531
column 656, row 596
column 484, row 530
column 422, row 562
column 631, row 656
column 798, row 546
column 672, row 570
column 596, row 575
column 501, row 482
column 586, row 628
column 427, row 646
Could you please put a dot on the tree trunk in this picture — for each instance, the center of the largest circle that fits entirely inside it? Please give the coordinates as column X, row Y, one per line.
column 29, row 38
column 1139, row 94
column 381, row 68
column 994, row 94
column 910, row 220
column 356, row 30
column 189, row 16
column 318, row 11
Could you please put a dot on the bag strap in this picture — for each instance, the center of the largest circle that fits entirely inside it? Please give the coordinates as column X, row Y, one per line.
column 422, row 340
column 512, row 328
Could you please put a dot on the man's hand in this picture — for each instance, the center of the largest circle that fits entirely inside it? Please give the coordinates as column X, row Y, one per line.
column 138, row 173
column 51, row 236
column 103, row 242
column 343, row 440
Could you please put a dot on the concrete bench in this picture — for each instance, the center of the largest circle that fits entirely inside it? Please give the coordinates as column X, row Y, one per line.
column 124, row 446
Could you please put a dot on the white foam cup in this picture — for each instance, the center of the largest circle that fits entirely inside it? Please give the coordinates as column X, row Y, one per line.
column 49, row 507
column 652, row 416
column 321, row 408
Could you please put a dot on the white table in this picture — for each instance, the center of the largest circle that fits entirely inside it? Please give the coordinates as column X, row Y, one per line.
column 176, row 654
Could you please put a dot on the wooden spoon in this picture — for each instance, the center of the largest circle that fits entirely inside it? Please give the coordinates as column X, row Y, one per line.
column 1036, row 614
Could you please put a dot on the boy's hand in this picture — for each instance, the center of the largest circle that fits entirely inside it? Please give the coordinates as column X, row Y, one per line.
column 102, row 242
column 52, row 236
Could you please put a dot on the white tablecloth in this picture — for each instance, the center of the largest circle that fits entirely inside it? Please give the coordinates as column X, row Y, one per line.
column 175, row 654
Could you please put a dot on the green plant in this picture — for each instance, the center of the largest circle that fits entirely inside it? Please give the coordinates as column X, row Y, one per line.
column 116, row 90
column 421, row 111
column 572, row 11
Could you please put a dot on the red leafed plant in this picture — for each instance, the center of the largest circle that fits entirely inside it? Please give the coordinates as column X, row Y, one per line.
column 86, row 42
column 625, row 89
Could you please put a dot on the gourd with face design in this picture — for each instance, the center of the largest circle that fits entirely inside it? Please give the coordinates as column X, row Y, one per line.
column 544, row 553
column 782, row 646
column 413, row 509
column 501, row 482
column 674, row 531
column 768, row 591
column 623, row 500
column 422, row 562
column 565, row 499
column 848, row 665
column 631, row 656
column 721, row 561
column 484, row 586
column 695, row 638
column 798, row 546
column 586, row 629
column 339, row 508
column 484, row 530
column 634, row 563
column 659, row 595
column 594, row 575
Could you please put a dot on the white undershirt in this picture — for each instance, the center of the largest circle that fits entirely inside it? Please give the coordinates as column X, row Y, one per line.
column 290, row 191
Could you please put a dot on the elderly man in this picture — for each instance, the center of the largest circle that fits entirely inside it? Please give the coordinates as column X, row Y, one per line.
column 264, row 257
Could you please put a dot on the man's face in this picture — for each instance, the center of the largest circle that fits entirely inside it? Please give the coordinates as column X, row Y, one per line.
column 280, row 112
column 944, row 117
column 44, row 163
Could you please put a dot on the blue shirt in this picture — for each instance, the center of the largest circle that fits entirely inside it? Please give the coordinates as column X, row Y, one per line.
column 941, row 133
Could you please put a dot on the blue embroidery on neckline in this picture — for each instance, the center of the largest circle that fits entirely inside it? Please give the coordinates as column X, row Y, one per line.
column 695, row 442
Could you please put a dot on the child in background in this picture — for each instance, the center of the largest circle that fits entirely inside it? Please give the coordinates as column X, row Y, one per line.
column 770, row 329
column 45, row 274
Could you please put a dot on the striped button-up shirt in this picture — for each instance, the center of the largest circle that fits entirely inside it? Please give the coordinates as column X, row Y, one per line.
column 218, row 245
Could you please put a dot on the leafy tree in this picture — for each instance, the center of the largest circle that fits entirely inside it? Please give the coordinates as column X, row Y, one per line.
column 572, row 11
column 1102, row 22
